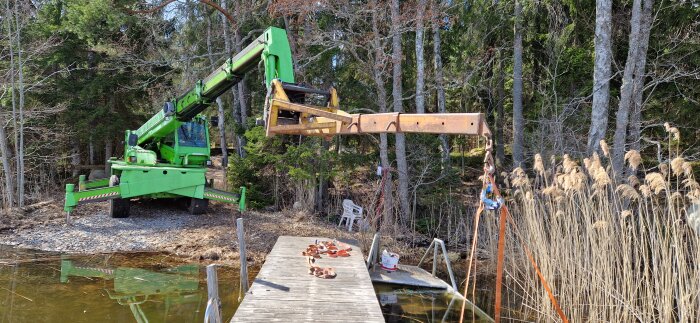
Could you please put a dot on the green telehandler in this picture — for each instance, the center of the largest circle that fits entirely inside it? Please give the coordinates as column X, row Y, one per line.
column 167, row 156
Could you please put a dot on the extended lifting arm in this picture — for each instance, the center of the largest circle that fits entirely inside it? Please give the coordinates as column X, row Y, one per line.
column 284, row 116
column 272, row 47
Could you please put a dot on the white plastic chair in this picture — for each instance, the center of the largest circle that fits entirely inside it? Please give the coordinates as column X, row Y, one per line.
column 351, row 212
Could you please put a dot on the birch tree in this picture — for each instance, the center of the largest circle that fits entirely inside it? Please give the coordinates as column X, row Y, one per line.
column 626, row 90
column 397, row 94
column 240, row 92
column 439, row 82
column 420, row 61
column 601, row 74
column 219, row 101
column 518, row 119
column 639, row 74
column 379, row 61
column 8, row 176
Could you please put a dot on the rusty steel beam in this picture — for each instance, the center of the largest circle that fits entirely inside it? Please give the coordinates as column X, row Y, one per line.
column 435, row 123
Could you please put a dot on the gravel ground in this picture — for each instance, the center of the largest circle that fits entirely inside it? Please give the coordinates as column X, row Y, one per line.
column 160, row 226
column 147, row 229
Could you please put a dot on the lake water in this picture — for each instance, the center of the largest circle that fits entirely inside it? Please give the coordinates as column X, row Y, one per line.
column 151, row 287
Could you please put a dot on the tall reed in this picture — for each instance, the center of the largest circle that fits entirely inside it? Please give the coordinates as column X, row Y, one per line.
column 612, row 250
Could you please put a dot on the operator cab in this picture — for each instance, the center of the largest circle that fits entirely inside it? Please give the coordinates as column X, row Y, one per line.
column 188, row 146
column 192, row 134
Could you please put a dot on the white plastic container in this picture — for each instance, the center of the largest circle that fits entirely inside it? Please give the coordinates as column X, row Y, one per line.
column 390, row 260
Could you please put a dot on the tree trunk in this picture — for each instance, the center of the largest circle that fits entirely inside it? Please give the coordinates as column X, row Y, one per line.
column 219, row 102
column 378, row 76
column 91, row 151
column 13, row 86
column 20, row 143
column 500, row 118
column 601, row 75
column 75, row 156
column 242, row 92
column 397, row 89
column 298, row 74
column 420, row 61
column 7, row 170
column 626, row 91
column 635, row 126
column 5, row 150
column 108, row 155
column 439, row 86
column 239, row 107
column 518, row 120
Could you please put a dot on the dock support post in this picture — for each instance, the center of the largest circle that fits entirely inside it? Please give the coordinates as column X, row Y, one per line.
column 242, row 255
column 435, row 252
column 213, row 311
column 373, row 251
column 434, row 244
column 449, row 267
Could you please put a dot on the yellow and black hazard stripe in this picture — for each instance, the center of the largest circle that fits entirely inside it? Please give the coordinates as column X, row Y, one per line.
column 221, row 197
column 98, row 197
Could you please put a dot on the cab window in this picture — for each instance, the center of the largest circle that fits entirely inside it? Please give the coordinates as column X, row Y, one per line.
column 192, row 134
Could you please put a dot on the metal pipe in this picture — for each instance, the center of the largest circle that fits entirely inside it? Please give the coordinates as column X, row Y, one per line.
column 427, row 251
column 373, row 251
column 449, row 267
column 435, row 252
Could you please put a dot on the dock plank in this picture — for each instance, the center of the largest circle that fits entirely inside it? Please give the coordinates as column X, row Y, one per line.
column 283, row 290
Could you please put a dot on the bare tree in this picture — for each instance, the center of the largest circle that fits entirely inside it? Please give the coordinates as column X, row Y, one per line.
column 439, row 82
column 397, row 89
column 108, row 153
column 500, row 117
column 635, row 125
column 379, row 61
column 219, row 101
column 420, row 61
column 601, row 74
column 626, row 90
column 240, row 112
column 518, row 120
column 17, row 66
column 7, row 170
column 4, row 147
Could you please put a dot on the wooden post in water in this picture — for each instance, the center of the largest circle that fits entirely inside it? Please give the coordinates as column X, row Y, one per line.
column 213, row 311
column 242, row 255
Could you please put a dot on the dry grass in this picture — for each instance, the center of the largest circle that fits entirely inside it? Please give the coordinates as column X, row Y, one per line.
column 612, row 251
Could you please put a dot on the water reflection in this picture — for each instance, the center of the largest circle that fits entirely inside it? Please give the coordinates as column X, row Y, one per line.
column 132, row 287
column 48, row 287
column 421, row 305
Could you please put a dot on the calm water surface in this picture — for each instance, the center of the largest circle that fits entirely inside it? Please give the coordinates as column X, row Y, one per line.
column 48, row 287
column 151, row 287
column 401, row 304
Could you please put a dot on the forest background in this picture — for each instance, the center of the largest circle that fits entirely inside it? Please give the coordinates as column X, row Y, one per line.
column 611, row 85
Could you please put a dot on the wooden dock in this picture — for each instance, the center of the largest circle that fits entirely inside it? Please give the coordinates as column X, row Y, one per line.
column 284, row 291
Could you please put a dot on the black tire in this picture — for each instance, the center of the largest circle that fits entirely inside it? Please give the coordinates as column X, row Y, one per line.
column 198, row 206
column 119, row 208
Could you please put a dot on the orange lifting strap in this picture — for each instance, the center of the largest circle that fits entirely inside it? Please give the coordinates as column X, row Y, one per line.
column 503, row 219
